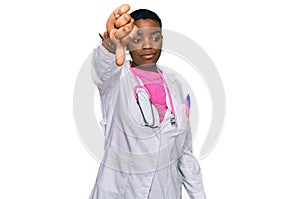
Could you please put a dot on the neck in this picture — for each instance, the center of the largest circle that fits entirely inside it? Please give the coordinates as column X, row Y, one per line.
column 152, row 67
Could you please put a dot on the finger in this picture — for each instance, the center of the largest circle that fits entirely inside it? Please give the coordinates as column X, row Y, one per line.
column 120, row 53
column 121, row 10
column 125, row 30
column 122, row 20
column 129, row 37
column 115, row 15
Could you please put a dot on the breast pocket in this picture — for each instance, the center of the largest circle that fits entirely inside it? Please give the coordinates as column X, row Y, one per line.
column 182, row 119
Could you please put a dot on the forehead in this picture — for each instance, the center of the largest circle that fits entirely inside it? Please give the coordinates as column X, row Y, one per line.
column 147, row 25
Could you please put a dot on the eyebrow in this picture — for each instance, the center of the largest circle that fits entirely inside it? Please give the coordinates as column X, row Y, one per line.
column 152, row 33
column 157, row 31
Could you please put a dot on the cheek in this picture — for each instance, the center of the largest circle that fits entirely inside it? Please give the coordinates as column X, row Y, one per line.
column 133, row 47
column 158, row 55
column 134, row 55
column 157, row 45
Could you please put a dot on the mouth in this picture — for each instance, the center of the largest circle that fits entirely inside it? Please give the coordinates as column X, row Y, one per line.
column 148, row 55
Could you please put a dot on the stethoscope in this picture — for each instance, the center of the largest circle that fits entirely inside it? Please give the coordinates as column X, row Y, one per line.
column 141, row 92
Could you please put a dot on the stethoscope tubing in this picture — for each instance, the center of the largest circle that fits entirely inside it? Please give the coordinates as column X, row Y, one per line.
column 136, row 91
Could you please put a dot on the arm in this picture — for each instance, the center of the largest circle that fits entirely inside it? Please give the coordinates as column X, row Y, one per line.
column 104, row 68
column 110, row 52
column 190, row 170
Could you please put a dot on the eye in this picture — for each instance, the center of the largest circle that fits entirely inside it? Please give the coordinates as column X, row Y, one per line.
column 136, row 40
column 157, row 38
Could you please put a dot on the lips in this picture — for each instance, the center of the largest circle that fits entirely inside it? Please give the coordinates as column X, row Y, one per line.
column 148, row 55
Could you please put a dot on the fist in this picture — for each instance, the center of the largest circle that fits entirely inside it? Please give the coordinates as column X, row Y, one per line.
column 118, row 30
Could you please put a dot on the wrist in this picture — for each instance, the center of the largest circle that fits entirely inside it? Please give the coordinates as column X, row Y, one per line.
column 107, row 43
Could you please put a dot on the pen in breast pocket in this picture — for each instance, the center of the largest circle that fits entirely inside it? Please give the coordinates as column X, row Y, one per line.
column 188, row 99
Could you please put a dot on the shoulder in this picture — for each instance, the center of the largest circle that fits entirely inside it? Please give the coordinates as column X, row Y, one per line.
column 170, row 76
column 172, row 80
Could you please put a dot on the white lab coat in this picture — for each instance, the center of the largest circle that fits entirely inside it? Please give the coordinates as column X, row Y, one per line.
column 141, row 162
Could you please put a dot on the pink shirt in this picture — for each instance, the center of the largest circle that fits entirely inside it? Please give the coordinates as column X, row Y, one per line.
column 154, row 83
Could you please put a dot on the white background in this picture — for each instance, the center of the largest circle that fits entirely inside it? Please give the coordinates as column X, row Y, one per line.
column 254, row 45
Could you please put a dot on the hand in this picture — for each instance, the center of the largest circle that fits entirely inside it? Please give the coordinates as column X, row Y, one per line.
column 118, row 28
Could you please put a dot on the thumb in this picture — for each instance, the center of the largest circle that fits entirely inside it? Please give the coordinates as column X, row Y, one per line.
column 120, row 53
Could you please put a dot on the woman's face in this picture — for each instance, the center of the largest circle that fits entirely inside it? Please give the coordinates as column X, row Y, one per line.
column 145, row 48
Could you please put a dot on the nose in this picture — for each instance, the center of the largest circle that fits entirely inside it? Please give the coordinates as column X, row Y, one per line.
column 147, row 43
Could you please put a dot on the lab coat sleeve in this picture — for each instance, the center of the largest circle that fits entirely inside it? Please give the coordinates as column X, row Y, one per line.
column 104, row 69
column 190, row 170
